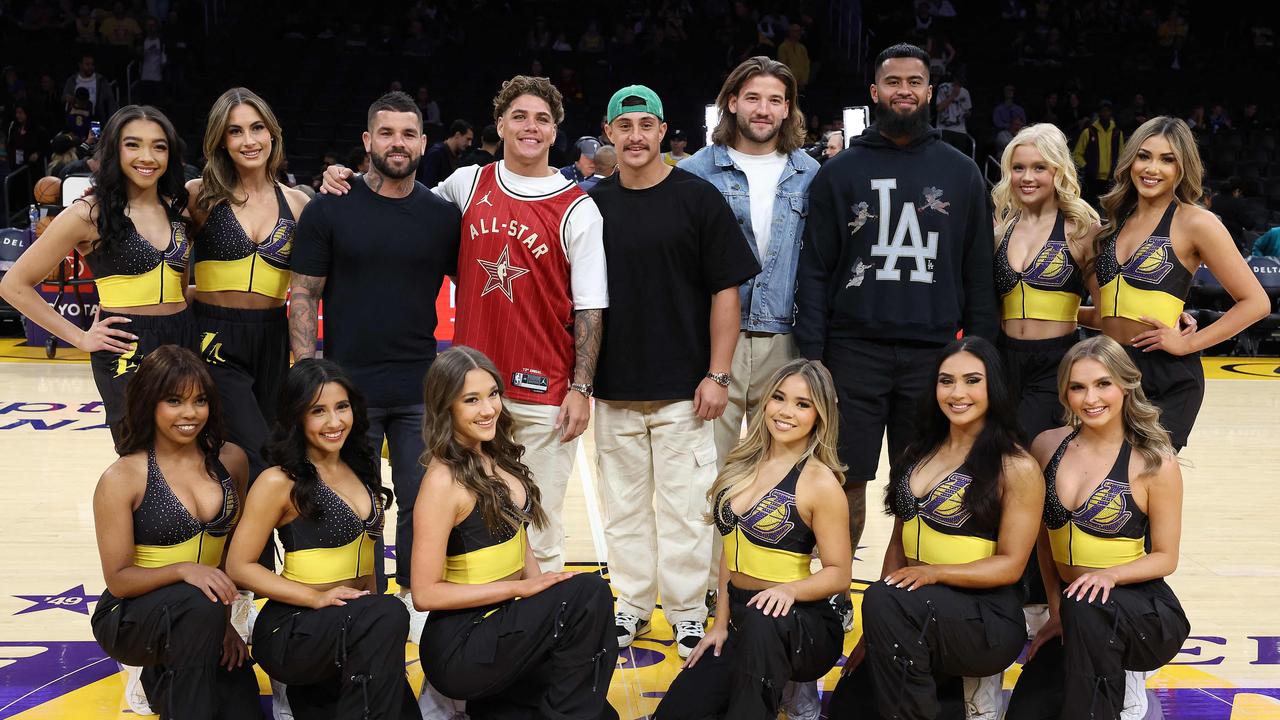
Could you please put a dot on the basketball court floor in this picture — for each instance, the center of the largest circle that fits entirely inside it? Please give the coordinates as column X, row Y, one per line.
column 53, row 447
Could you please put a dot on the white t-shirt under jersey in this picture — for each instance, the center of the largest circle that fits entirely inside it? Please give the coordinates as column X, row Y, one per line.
column 583, row 234
column 762, row 173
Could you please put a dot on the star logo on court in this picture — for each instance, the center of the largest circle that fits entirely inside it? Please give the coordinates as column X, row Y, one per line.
column 501, row 273
column 74, row 600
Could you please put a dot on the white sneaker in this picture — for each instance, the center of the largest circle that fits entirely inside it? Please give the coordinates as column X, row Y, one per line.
column 982, row 699
column 629, row 628
column 435, row 706
column 800, row 700
column 417, row 618
column 1135, row 695
column 688, row 634
column 1036, row 616
column 280, row 709
column 243, row 615
column 134, row 694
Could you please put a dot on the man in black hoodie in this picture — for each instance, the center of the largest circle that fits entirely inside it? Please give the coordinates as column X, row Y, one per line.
column 897, row 259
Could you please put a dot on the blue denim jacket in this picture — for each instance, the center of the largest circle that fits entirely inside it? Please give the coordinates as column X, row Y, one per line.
column 768, row 300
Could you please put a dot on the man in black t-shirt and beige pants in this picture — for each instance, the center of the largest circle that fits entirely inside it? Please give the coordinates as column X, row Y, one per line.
column 675, row 257
column 378, row 258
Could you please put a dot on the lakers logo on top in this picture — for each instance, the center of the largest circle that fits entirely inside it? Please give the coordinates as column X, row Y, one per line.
column 1105, row 510
column 1051, row 266
column 945, row 505
column 1150, row 262
column 770, row 519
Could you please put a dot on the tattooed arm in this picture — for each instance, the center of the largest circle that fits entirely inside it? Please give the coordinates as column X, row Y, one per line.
column 575, row 411
column 304, row 302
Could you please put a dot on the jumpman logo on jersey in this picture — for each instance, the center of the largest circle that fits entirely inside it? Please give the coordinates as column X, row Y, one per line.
column 484, row 200
column 501, row 273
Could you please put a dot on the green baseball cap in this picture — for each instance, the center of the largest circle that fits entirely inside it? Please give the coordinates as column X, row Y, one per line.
column 652, row 104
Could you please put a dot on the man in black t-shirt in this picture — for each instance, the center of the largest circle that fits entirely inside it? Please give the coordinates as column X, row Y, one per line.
column 378, row 258
column 675, row 257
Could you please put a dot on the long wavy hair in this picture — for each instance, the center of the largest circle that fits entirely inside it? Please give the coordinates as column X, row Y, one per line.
column 1121, row 200
column 111, row 186
column 1141, row 417
column 170, row 371
column 999, row 439
column 1052, row 145
column 740, row 467
column 221, row 181
column 287, row 446
column 443, row 386
column 791, row 134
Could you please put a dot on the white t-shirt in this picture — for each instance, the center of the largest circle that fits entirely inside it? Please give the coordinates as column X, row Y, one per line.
column 91, row 84
column 762, row 173
column 952, row 116
column 582, row 235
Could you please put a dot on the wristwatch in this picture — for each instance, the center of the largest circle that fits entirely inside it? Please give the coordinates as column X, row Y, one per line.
column 584, row 388
column 721, row 379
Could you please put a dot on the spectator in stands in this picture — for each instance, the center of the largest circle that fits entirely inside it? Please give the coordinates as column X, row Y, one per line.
column 1218, row 119
column 102, row 96
column 26, row 141
column 46, row 104
column 1172, row 36
column 1249, row 120
column 118, row 28
column 584, row 166
column 1134, row 114
column 1004, row 137
column 1231, row 209
column 1197, row 121
column 430, row 109
column 80, row 117
column 1268, row 244
column 954, row 105
column 490, row 141
column 795, row 55
column 679, row 141
column 442, row 158
column 62, row 153
column 416, row 42
column 150, row 86
column 86, row 26
column 358, row 158
column 1096, row 151
column 592, row 41
column 832, row 144
column 941, row 53
column 1074, row 117
column 1007, row 110
column 606, row 161
column 1049, row 113
column 15, row 91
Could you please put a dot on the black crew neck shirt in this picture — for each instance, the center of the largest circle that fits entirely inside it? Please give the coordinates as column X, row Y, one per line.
column 383, row 260
column 668, row 248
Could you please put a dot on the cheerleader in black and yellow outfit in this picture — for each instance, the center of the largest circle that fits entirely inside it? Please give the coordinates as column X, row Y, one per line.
column 337, row 646
column 968, row 501
column 1154, row 240
column 778, row 496
column 1047, row 236
column 244, row 241
column 133, row 235
column 1116, row 467
column 502, row 635
column 163, row 513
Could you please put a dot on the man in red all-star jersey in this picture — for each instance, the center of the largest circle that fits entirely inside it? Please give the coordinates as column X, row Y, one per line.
column 532, row 288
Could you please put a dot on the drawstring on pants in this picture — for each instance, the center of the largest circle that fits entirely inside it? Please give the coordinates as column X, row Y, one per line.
column 340, row 659
column 904, row 663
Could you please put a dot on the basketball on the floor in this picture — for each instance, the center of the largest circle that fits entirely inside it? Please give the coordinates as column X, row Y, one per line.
column 49, row 191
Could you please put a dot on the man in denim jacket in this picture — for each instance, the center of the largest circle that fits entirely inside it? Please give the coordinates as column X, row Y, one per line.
column 757, row 164
column 759, row 137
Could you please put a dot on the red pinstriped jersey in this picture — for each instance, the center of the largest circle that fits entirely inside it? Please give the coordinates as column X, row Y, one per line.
column 514, row 299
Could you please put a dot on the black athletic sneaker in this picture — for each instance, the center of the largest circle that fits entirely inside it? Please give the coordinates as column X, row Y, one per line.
column 843, row 605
